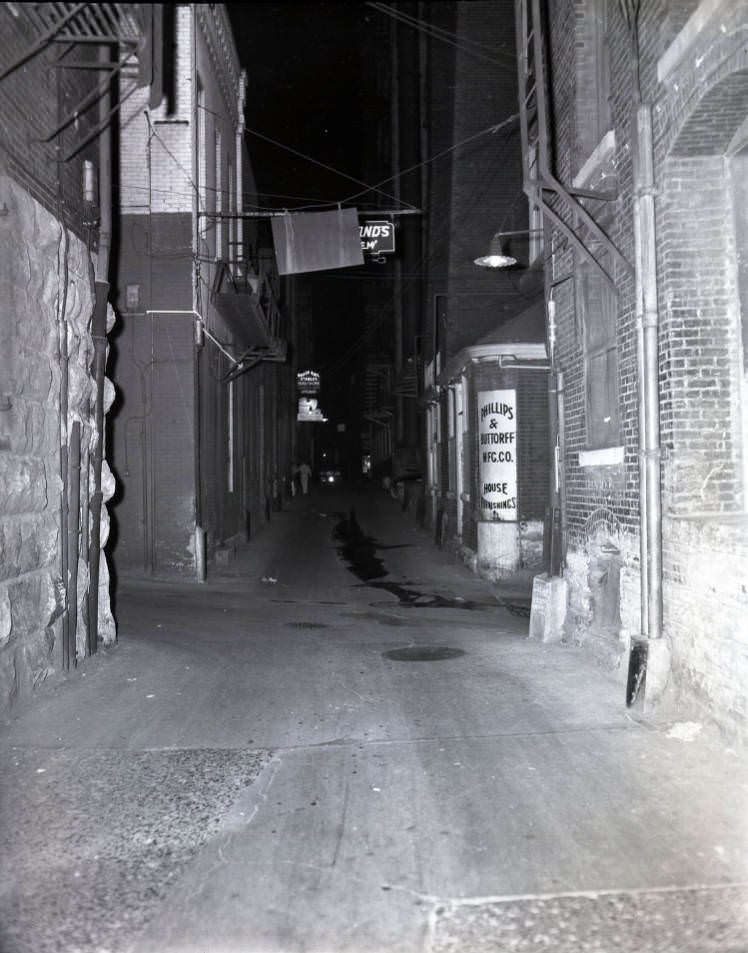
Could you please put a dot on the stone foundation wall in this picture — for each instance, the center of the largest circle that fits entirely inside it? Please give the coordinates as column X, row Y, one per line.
column 43, row 269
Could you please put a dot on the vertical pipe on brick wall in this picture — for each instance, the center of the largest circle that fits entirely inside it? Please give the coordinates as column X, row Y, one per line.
column 650, row 370
column 199, row 541
column 641, row 395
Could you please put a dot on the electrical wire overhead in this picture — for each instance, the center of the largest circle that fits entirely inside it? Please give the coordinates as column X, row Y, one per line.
column 481, row 51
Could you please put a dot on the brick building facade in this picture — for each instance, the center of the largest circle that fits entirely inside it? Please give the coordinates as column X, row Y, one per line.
column 203, row 432
column 648, row 129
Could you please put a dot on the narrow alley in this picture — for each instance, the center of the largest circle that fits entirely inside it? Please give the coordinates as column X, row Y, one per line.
column 344, row 742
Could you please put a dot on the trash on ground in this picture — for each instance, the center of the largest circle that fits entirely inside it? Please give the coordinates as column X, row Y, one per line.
column 270, row 579
column 685, row 730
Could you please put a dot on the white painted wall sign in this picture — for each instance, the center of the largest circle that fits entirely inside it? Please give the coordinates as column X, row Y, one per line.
column 497, row 454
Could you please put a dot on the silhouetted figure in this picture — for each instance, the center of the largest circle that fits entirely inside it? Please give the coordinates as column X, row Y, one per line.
column 305, row 471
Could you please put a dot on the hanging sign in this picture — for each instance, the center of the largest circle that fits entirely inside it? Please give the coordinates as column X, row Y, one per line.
column 309, row 411
column 497, row 454
column 377, row 238
column 307, row 382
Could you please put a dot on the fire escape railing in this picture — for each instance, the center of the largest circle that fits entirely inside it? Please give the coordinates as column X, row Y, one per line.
column 129, row 27
column 559, row 204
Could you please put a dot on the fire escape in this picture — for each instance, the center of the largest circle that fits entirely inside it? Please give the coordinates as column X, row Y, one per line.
column 246, row 295
column 133, row 32
column 560, row 205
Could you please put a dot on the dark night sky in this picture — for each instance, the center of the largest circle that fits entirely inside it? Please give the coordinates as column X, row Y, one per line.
column 302, row 62
column 305, row 89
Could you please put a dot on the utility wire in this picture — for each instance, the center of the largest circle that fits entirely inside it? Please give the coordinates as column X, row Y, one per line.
column 329, row 168
column 439, row 155
column 453, row 39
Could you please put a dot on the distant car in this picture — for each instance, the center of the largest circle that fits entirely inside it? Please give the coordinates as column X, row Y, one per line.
column 329, row 477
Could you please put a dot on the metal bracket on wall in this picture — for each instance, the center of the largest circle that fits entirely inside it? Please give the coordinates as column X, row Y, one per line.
column 560, row 205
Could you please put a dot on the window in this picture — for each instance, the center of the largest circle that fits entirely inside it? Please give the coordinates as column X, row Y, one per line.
column 599, row 307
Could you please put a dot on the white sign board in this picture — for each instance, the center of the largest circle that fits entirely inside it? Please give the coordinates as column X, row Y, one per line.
column 497, row 454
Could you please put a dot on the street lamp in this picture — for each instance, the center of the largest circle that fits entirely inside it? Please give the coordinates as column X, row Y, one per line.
column 496, row 257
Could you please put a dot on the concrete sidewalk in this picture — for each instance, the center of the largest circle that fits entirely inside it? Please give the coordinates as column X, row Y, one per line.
column 295, row 758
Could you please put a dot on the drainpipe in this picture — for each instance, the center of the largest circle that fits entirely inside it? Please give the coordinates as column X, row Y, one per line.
column 555, row 555
column 556, row 534
column 649, row 658
column 200, row 542
column 98, row 333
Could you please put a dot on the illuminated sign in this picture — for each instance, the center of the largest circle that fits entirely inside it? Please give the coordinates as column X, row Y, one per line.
column 307, row 382
column 497, row 454
column 309, row 412
column 377, row 238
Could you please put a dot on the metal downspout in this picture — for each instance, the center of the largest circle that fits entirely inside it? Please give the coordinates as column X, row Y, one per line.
column 652, row 453
column 200, row 542
column 642, row 657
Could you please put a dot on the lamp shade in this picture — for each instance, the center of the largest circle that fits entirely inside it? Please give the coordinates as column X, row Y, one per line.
column 495, row 257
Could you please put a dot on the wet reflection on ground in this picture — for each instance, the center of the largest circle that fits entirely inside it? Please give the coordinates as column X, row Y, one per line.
column 361, row 553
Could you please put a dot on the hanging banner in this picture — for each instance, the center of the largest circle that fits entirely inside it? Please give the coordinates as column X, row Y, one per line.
column 317, row 241
column 497, row 454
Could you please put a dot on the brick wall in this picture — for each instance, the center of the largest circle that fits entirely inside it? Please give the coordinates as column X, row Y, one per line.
column 55, row 93
column 700, row 341
column 698, row 101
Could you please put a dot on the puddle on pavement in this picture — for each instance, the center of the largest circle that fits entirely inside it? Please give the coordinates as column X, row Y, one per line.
column 307, row 625
column 361, row 553
column 423, row 653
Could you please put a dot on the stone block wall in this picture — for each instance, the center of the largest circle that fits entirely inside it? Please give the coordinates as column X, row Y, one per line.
column 45, row 272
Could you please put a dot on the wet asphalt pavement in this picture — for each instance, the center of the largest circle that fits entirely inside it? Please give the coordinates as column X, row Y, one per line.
column 344, row 741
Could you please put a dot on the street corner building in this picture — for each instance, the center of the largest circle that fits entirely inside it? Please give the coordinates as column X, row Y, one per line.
column 636, row 163
column 205, row 428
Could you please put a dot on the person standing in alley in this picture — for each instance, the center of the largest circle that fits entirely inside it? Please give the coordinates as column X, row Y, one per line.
column 294, row 477
column 305, row 471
